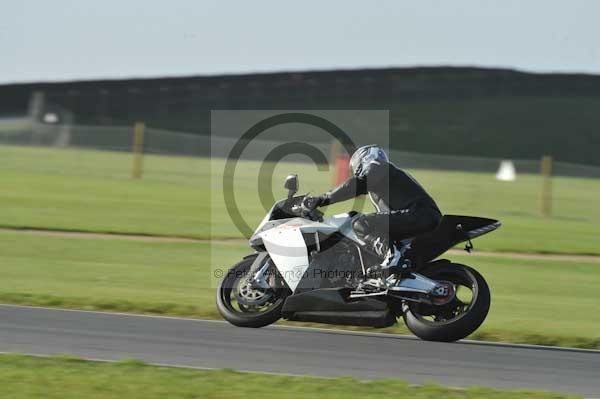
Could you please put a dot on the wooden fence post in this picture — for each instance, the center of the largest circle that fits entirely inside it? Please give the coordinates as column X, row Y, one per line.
column 138, row 150
column 546, row 195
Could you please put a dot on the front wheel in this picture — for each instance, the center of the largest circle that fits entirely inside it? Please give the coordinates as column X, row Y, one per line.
column 458, row 318
column 243, row 305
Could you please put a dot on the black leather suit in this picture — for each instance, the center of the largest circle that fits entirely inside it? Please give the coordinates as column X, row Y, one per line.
column 404, row 209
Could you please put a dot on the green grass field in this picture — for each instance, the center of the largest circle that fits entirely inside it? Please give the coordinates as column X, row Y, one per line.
column 62, row 377
column 92, row 191
column 533, row 301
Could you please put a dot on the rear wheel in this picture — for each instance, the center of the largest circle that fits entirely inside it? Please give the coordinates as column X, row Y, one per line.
column 244, row 305
column 459, row 317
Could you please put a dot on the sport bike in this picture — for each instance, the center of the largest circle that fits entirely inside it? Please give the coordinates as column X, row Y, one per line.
column 314, row 269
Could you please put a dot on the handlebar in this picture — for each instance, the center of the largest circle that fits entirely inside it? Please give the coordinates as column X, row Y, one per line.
column 307, row 209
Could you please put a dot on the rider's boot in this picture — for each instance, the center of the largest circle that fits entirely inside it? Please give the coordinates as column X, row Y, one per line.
column 393, row 263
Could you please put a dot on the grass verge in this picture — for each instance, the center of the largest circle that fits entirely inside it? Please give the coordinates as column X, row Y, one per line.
column 24, row 377
column 83, row 190
column 533, row 301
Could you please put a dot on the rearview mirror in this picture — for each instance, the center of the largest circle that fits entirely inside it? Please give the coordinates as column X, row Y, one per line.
column 291, row 184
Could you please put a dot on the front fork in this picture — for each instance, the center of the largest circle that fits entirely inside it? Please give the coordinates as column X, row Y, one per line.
column 257, row 273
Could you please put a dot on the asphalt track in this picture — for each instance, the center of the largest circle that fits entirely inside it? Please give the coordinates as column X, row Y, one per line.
column 295, row 350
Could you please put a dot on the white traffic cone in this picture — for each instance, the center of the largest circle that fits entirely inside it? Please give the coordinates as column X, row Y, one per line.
column 506, row 171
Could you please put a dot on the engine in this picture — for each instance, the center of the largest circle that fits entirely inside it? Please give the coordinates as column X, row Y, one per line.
column 336, row 264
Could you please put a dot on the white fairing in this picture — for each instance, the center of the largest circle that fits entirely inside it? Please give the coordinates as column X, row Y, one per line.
column 288, row 251
column 287, row 248
column 344, row 224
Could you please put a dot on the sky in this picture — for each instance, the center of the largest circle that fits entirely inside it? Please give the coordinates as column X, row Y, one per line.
column 72, row 40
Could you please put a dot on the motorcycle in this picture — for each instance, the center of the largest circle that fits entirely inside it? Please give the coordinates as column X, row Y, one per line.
column 314, row 269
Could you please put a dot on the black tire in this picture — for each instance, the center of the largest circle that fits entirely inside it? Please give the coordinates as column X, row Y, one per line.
column 460, row 326
column 236, row 317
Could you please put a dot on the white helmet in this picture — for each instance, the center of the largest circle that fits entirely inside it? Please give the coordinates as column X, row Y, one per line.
column 366, row 155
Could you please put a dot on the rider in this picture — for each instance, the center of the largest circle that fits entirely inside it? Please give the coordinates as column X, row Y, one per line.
column 404, row 209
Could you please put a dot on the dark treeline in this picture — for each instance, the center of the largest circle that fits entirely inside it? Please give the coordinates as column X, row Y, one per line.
column 463, row 111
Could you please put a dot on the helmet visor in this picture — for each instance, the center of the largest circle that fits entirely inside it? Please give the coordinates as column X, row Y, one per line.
column 366, row 155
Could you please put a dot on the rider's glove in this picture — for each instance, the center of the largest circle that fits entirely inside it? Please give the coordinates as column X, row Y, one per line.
column 323, row 200
column 315, row 202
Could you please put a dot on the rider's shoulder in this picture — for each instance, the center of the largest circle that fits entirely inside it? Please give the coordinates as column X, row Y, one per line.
column 375, row 168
